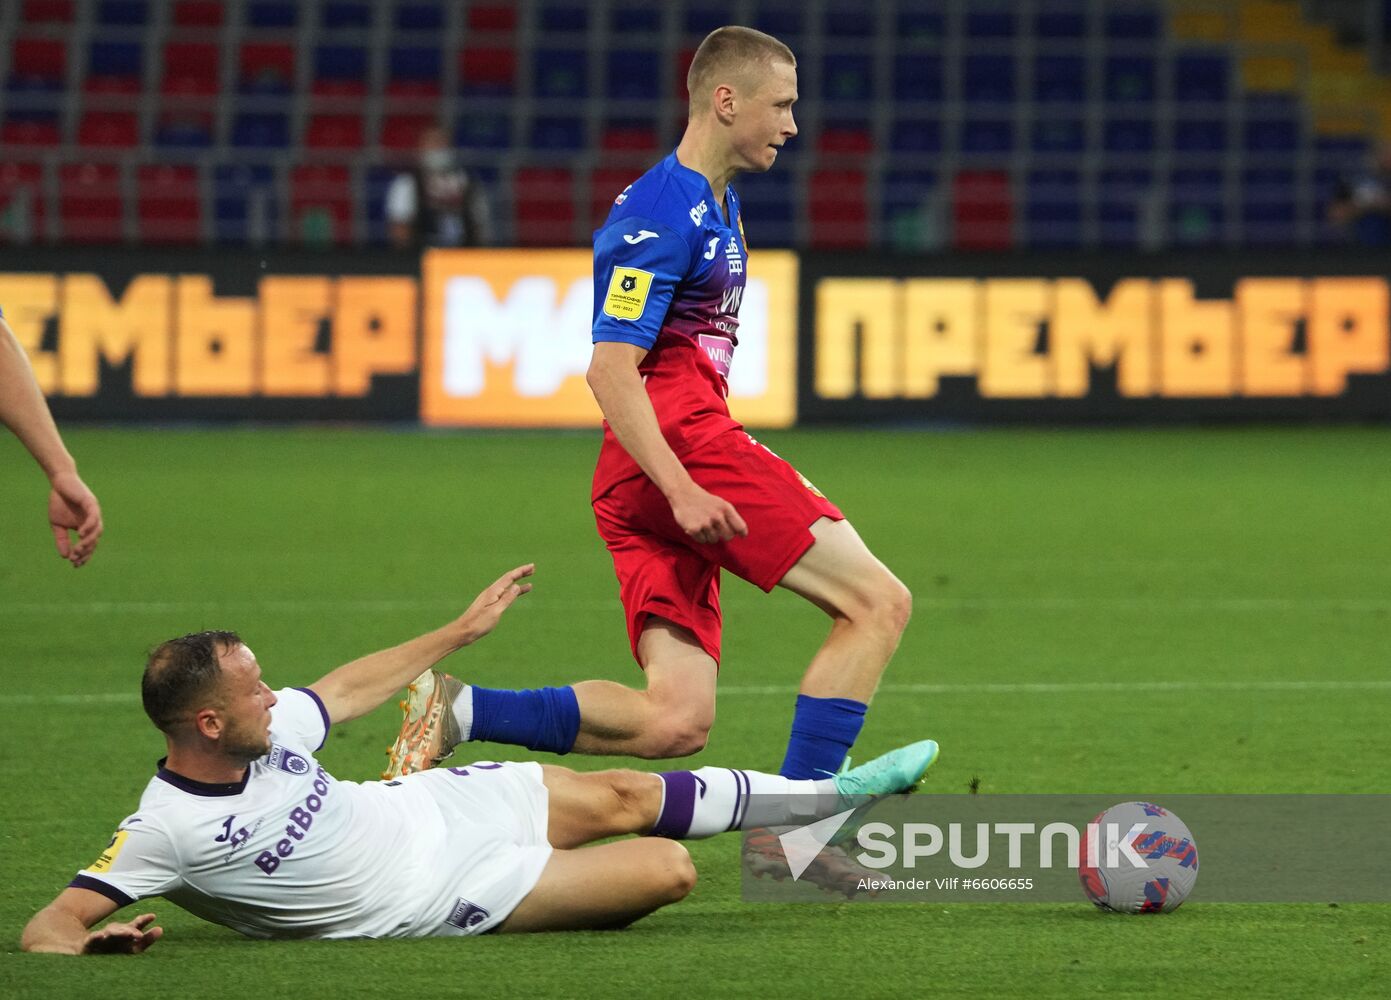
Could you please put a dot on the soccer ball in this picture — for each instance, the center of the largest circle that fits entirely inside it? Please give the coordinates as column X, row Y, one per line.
column 1111, row 879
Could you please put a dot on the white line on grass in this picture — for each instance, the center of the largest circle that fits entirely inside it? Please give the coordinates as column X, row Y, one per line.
column 735, row 690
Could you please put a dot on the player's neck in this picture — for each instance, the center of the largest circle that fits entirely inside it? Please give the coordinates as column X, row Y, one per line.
column 209, row 768
column 707, row 159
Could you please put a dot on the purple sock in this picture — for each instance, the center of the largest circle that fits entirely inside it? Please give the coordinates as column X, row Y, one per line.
column 678, row 805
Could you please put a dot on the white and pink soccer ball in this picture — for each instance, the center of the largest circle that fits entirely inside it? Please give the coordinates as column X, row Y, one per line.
column 1113, row 882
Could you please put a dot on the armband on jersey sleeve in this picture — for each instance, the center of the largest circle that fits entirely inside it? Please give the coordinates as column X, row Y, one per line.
column 637, row 266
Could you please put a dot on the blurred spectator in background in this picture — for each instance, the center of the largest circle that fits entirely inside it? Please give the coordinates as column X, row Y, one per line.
column 1361, row 206
column 437, row 204
column 71, row 505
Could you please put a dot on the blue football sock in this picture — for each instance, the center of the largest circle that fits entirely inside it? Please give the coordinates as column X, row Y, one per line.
column 541, row 719
column 823, row 730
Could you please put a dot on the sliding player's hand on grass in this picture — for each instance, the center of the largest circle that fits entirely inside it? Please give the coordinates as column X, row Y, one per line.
column 123, row 939
column 486, row 610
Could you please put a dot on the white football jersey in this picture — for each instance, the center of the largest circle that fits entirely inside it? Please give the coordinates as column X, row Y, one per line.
column 290, row 851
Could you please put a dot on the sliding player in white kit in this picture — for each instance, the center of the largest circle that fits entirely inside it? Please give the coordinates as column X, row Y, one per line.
column 242, row 826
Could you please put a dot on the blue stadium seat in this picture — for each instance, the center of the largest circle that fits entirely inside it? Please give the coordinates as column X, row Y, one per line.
column 238, row 191
column 1132, row 25
column 564, row 19
column 1271, row 135
column 847, row 78
column 114, row 59
column 1059, row 135
column 1200, row 136
column 989, row 24
column 783, row 23
column 557, row 133
column 180, row 131
column 917, row 78
column 1129, row 78
column 1196, row 223
column 1054, row 224
column 123, row 13
column 907, row 191
column 272, row 14
column 420, row 17
column 1201, row 76
column 1060, row 80
column 768, row 207
column 560, row 73
column 702, row 20
column 855, row 20
column 1270, row 223
column 987, row 136
column 635, row 20
column 340, row 62
column 483, row 131
column 988, row 79
column 1123, row 183
column 633, row 75
column 1118, row 224
column 920, row 25
column 1129, row 135
column 255, row 130
column 1061, row 21
column 912, row 135
column 415, row 63
column 346, row 15
column 376, row 180
column 1054, row 184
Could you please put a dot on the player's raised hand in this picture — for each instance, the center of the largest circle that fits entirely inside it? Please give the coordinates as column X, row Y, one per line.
column 73, row 507
column 123, row 939
column 706, row 517
column 484, row 613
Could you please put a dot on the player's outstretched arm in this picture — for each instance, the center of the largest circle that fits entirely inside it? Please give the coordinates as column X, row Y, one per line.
column 71, row 505
column 64, row 927
column 357, row 688
column 617, row 386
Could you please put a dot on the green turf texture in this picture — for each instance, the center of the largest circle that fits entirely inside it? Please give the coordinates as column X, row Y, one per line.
column 1034, row 556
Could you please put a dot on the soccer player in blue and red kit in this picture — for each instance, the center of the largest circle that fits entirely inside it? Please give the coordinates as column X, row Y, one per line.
column 681, row 491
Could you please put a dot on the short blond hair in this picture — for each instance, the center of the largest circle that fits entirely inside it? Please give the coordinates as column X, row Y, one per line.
column 732, row 51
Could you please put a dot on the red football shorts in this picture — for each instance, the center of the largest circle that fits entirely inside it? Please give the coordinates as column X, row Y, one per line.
column 662, row 571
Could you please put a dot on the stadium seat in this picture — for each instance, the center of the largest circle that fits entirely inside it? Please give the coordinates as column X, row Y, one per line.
column 168, row 204
column 632, row 75
column 30, row 129
column 1201, row 76
column 1120, row 191
column 544, row 205
column 1128, row 135
column 340, row 71
column 1060, row 79
column 266, row 68
column 564, row 19
column 402, row 132
column 1059, row 135
column 118, row 129
column 190, row 68
column 837, row 211
column 917, row 24
column 1053, row 209
column 197, row 13
column 23, row 202
column 487, row 71
column 376, row 181
column 340, row 132
column 483, row 131
column 769, row 207
column 917, row 78
column 1271, row 135
column 606, row 184
column 184, row 129
column 916, row 135
column 557, row 133
column 46, row 12
column 1200, row 136
column 560, row 73
column 636, row 139
column 245, row 208
column 703, row 19
column 122, row 13
column 113, row 68
column 989, row 25
column 627, row 21
column 1129, row 78
column 322, row 192
column 982, row 210
column 843, row 144
column 339, row 15
column 988, row 79
column 38, row 64
column 1133, row 25
column 272, row 14
column 90, row 208
column 496, row 19
column 847, row 78
column 907, row 207
column 420, row 17
column 846, row 20
column 260, row 131
column 987, row 135
column 414, row 71
column 1061, row 21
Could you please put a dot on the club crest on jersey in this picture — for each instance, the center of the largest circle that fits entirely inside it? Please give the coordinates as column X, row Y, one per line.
column 466, row 915
column 627, row 295
column 287, row 760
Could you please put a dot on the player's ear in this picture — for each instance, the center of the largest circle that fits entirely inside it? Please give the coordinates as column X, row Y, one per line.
column 207, row 722
column 724, row 101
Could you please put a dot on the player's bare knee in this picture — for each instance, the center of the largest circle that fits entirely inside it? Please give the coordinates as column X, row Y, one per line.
column 898, row 604
column 677, row 871
column 679, row 730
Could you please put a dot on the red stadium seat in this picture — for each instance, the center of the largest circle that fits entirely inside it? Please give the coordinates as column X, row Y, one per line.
column 323, row 189
column 982, row 210
column 108, row 128
column 334, row 132
column 545, row 206
column 267, row 67
column 636, row 141
column 190, row 68
column 198, row 13
column 498, row 20
column 23, row 205
column 89, row 202
column 402, row 132
column 837, row 211
column 47, row 12
column 605, row 185
column 683, row 66
column 39, row 63
column 488, row 69
column 31, row 132
column 168, row 204
column 844, row 145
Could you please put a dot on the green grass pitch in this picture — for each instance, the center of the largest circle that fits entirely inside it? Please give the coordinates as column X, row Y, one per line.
column 1213, row 560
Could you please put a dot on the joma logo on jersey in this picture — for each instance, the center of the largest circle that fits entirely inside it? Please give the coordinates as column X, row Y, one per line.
column 698, row 212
